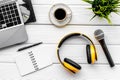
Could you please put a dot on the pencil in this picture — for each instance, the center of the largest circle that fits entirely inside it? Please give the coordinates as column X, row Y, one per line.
column 26, row 47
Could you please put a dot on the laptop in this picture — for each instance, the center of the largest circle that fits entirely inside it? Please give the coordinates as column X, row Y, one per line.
column 12, row 29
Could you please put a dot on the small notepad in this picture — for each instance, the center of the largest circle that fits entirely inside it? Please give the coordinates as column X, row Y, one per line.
column 32, row 60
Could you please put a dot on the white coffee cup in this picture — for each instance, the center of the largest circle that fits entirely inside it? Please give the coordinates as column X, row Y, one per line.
column 60, row 14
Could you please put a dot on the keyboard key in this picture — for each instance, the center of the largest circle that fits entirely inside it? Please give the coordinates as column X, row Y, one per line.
column 1, row 17
column 6, row 5
column 18, row 19
column 5, row 17
column 14, row 3
column 10, row 20
column 15, row 23
column 1, row 14
column 4, row 13
column 6, row 21
column 16, row 12
column 9, row 24
column 7, row 8
column 3, row 10
column 10, row 4
column 12, row 11
column 0, row 25
column 19, row 22
column 0, row 10
column 8, row 12
column 2, row 22
column 2, row 6
column 15, row 6
column 11, row 7
column 9, row 16
column 14, row 19
column 13, row 15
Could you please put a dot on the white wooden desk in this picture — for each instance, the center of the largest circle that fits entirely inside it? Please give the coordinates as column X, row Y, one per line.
column 44, row 31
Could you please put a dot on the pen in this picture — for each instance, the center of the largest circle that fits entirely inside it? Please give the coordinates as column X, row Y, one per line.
column 21, row 49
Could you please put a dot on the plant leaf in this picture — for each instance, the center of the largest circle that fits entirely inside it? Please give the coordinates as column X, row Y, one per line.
column 93, row 17
column 88, row 1
column 103, row 8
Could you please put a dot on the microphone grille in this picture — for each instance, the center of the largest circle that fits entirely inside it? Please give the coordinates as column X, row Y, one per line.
column 99, row 34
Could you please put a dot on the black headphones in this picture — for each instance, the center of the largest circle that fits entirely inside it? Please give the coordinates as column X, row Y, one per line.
column 90, row 50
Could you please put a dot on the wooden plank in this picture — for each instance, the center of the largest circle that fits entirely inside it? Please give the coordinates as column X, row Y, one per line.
column 88, row 72
column 75, row 52
column 50, row 34
column 9, row 71
column 57, row 72
column 43, row 2
column 81, row 15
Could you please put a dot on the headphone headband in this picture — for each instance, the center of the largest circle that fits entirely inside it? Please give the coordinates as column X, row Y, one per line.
column 71, row 35
column 67, row 37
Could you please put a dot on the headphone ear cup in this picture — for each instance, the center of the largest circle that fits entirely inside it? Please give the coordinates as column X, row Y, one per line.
column 88, row 53
column 93, row 54
column 71, row 65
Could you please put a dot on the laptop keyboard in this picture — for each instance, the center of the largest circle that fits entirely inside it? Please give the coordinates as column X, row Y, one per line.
column 9, row 15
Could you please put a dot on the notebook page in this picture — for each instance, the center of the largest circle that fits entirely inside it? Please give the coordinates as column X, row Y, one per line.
column 24, row 64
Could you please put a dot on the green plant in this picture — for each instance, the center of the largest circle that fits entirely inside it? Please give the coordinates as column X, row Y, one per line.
column 103, row 8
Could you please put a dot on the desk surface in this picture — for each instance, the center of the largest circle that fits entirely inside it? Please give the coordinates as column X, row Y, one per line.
column 44, row 31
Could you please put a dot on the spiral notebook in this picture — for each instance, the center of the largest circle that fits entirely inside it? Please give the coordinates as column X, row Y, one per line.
column 32, row 60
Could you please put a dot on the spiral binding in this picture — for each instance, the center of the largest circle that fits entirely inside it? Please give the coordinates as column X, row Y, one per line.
column 33, row 60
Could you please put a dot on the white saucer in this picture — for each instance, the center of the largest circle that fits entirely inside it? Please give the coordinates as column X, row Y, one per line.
column 66, row 20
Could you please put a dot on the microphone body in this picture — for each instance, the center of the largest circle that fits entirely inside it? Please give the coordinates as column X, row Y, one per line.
column 107, row 53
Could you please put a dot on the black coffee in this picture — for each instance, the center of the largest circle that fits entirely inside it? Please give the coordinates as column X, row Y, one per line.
column 60, row 14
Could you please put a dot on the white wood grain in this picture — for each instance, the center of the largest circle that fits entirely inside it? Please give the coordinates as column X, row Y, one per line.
column 75, row 52
column 88, row 72
column 9, row 71
column 51, row 34
column 73, row 2
column 80, row 15
column 57, row 72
